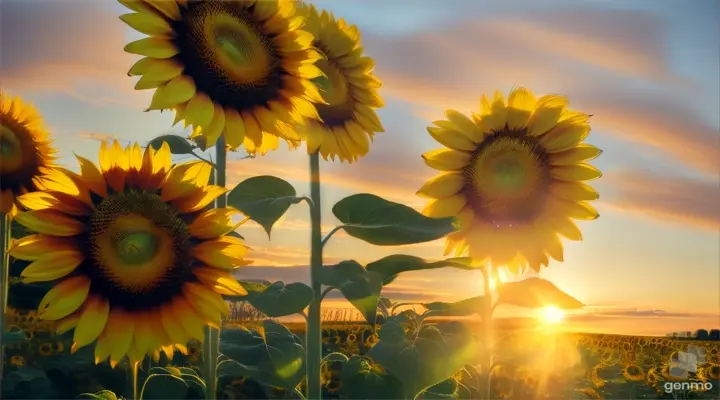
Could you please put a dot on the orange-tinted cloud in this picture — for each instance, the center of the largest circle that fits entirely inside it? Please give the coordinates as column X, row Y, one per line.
column 608, row 64
column 100, row 137
column 666, row 198
column 69, row 47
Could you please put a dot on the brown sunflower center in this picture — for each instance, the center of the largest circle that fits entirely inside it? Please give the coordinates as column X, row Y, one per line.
column 508, row 179
column 140, row 250
column 228, row 54
column 336, row 91
column 20, row 158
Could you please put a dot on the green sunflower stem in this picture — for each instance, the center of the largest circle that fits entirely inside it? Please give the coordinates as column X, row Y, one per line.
column 211, row 344
column 5, row 224
column 487, row 311
column 314, row 334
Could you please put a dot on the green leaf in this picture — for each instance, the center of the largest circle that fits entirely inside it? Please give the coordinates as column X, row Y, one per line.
column 392, row 332
column 335, row 357
column 276, row 359
column 535, row 293
column 264, row 199
column 460, row 308
column 27, row 383
column 384, row 223
column 235, row 234
column 446, row 388
column 253, row 286
column 101, row 395
column 359, row 286
column 428, row 357
column 164, row 386
column 389, row 267
column 279, row 299
column 362, row 379
column 178, row 145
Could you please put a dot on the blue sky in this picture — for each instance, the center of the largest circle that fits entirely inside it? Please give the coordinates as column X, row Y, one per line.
column 647, row 70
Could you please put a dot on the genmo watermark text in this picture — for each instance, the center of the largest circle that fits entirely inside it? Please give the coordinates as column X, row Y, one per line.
column 696, row 386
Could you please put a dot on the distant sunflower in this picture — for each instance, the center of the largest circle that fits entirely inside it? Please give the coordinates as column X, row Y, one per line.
column 348, row 120
column 241, row 67
column 137, row 259
column 633, row 373
column 513, row 178
column 25, row 149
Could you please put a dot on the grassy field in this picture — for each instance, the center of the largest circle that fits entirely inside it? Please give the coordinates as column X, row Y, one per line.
column 535, row 364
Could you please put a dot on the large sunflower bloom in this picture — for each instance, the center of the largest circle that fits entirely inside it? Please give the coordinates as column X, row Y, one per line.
column 139, row 259
column 513, row 176
column 25, row 149
column 241, row 67
column 348, row 120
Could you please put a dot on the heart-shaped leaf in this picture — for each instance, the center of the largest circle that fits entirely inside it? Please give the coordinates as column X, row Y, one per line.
column 251, row 286
column 363, row 380
column 177, row 144
column 460, row 308
column 101, row 395
column 164, row 386
column 279, row 299
column 535, row 293
column 428, row 357
column 264, row 199
column 276, row 359
column 359, row 286
column 389, row 267
column 385, row 223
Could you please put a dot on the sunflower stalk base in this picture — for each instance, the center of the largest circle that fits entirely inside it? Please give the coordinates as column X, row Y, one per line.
column 211, row 344
column 314, row 334
column 4, row 280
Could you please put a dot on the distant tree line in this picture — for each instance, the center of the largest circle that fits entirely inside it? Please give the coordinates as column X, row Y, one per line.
column 700, row 334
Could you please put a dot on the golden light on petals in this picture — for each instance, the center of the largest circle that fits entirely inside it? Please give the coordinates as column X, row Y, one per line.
column 224, row 66
column 142, row 267
column 25, row 149
column 347, row 96
column 514, row 177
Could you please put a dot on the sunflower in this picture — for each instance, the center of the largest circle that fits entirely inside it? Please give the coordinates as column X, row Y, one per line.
column 348, row 120
column 241, row 67
column 633, row 373
column 138, row 260
column 513, row 176
column 25, row 149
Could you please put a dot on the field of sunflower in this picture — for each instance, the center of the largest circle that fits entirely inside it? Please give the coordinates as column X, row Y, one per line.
column 536, row 365
column 121, row 275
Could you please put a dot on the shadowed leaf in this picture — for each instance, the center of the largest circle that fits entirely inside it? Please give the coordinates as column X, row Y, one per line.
column 164, row 386
column 359, row 286
column 276, row 359
column 363, row 380
column 536, row 293
column 428, row 357
column 264, row 199
column 389, row 267
column 279, row 299
column 385, row 223
column 178, row 145
column 460, row 308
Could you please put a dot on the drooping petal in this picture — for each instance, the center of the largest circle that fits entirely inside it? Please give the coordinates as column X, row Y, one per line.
column 225, row 252
column 92, row 322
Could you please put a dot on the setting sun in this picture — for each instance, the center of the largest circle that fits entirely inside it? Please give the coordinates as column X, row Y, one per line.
column 551, row 315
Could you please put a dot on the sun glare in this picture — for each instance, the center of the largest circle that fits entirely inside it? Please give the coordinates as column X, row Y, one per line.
column 552, row 315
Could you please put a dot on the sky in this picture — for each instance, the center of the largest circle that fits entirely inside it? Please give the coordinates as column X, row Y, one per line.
column 646, row 69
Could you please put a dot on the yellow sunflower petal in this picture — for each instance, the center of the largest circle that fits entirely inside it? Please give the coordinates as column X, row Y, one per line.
column 213, row 223
column 577, row 210
column 146, row 23
column 521, row 104
column 223, row 252
column 553, row 247
column 213, row 131
column 185, row 180
column 575, row 173
column 169, row 9
column 92, row 176
column 549, row 110
column 178, row 90
column 446, row 159
column 50, row 222
column 573, row 191
column 53, row 266
column 102, row 348
column 234, row 128
column 465, row 125
column 198, row 200
column 221, row 281
column 53, row 200
column 581, row 153
column 64, row 298
column 445, row 207
column 451, row 138
column 67, row 323
column 92, row 322
column 154, row 47
column 443, row 185
column 188, row 318
column 35, row 247
column 212, row 298
column 564, row 136
column 120, row 330
column 199, row 110
column 171, row 325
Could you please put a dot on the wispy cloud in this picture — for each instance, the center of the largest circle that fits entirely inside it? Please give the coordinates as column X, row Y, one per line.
column 100, row 137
